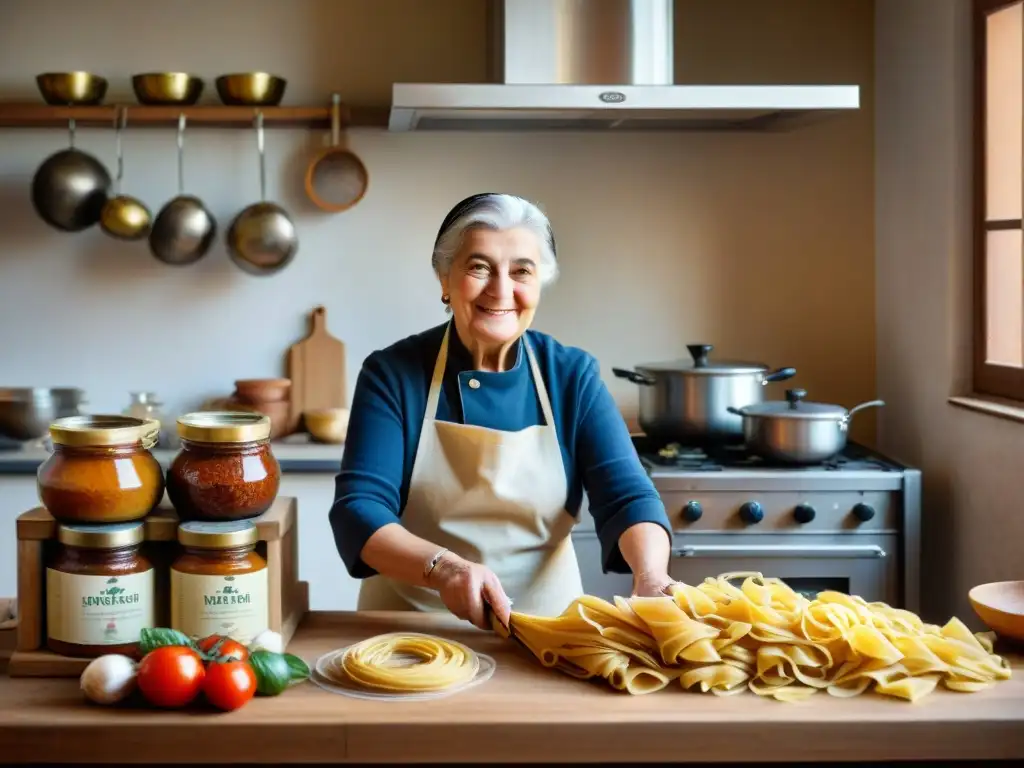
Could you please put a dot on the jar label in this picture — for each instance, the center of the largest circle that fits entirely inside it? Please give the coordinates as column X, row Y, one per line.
column 234, row 605
column 99, row 610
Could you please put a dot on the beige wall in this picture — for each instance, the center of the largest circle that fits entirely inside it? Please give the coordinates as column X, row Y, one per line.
column 973, row 483
column 762, row 244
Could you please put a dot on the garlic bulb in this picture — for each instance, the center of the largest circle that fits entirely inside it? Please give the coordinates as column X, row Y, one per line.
column 267, row 640
column 108, row 679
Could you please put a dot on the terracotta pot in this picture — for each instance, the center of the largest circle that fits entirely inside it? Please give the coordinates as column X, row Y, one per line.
column 257, row 391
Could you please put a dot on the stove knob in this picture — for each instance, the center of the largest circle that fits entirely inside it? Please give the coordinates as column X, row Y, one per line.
column 863, row 512
column 751, row 513
column 692, row 512
column 803, row 513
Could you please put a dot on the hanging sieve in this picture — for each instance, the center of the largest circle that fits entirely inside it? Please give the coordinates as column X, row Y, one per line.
column 336, row 179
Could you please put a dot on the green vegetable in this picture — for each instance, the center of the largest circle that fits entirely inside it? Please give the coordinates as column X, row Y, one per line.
column 150, row 639
column 299, row 668
column 276, row 671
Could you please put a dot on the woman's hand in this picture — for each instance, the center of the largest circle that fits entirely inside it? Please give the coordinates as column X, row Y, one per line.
column 464, row 586
column 646, row 548
column 656, row 584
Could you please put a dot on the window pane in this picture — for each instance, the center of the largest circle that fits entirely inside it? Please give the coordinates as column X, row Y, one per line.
column 1004, row 133
column 1004, row 300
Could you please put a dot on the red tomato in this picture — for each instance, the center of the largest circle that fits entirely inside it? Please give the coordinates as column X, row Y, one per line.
column 228, row 647
column 171, row 676
column 229, row 684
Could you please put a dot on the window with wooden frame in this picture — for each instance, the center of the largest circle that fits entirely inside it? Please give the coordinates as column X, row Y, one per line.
column 999, row 195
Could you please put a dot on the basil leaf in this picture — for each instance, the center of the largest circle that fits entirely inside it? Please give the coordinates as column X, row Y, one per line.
column 150, row 639
column 273, row 674
column 298, row 668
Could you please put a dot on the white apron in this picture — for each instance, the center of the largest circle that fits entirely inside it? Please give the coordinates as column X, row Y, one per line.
column 495, row 498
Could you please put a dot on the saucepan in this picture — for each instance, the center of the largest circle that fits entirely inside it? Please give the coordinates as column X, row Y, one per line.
column 689, row 401
column 26, row 413
column 262, row 239
column 794, row 431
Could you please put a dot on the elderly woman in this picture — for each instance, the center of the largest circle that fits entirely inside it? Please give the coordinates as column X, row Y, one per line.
column 470, row 444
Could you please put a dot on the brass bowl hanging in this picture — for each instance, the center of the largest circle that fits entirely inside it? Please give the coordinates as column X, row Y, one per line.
column 251, row 89
column 167, row 88
column 69, row 89
column 262, row 239
column 124, row 217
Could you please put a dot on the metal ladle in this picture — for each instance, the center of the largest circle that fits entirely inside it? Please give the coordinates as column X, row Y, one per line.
column 184, row 229
column 262, row 239
column 124, row 217
column 70, row 188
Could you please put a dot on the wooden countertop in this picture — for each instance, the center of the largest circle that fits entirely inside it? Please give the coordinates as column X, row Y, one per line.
column 294, row 456
column 525, row 713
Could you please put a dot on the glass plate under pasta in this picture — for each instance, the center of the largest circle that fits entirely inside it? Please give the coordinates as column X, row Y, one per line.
column 341, row 686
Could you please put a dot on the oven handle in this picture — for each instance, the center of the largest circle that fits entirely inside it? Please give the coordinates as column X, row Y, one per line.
column 780, row 550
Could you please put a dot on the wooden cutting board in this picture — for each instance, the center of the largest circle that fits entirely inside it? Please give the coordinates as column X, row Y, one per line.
column 316, row 366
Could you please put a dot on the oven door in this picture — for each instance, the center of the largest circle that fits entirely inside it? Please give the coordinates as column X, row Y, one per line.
column 865, row 566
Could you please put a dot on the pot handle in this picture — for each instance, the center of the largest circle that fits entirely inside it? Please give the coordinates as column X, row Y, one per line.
column 699, row 353
column 633, row 376
column 780, row 375
column 734, row 410
column 862, row 406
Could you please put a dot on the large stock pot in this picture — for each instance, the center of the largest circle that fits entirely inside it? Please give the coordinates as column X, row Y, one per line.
column 689, row 401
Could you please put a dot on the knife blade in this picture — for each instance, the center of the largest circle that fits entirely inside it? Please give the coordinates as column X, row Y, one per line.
column 504, row 630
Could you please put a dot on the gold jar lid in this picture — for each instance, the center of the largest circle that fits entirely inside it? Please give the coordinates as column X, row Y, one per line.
column 203, row 535
column 104, row 430
column 113, row 536
column 224, row 427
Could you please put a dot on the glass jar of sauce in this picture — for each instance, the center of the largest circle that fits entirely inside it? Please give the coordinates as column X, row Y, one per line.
column 100, row 590
column 101, row 470
column 225, row 469
column 219, row 584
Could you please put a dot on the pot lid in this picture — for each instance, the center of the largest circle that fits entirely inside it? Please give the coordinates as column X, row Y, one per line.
column 700, row 365
column 795, row 407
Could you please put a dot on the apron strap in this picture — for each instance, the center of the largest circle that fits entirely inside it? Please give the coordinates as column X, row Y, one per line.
column 434, row 395
column 538, row 382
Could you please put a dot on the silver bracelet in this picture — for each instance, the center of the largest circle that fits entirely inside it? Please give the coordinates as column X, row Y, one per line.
column 432, row 564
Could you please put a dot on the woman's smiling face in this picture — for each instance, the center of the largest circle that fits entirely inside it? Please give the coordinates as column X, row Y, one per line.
column 494, row 285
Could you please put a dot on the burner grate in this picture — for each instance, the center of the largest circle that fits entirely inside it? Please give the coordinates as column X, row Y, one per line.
column 698, row 459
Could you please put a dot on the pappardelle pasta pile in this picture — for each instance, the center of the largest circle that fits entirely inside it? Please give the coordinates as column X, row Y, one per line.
column 762, row 636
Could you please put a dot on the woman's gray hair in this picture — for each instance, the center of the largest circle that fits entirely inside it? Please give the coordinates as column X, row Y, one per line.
column 497, row 212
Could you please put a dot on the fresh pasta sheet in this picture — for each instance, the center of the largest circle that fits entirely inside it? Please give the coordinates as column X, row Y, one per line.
column 762, row 636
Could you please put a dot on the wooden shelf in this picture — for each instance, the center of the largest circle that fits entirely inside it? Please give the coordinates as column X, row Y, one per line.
column 29, row 115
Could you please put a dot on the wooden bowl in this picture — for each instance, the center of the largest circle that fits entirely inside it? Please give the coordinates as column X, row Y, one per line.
column 327, row 425
column 1000, row 604
column 167, row 88
column 71, row 88
column 251, row 89
column 259, row 391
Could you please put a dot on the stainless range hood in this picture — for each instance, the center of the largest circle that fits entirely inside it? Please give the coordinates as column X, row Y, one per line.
column 600, row 65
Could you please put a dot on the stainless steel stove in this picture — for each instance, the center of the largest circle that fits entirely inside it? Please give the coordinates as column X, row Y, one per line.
column 852, row 524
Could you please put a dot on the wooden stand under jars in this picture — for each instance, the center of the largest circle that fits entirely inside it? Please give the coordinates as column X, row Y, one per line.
column 37, row 532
